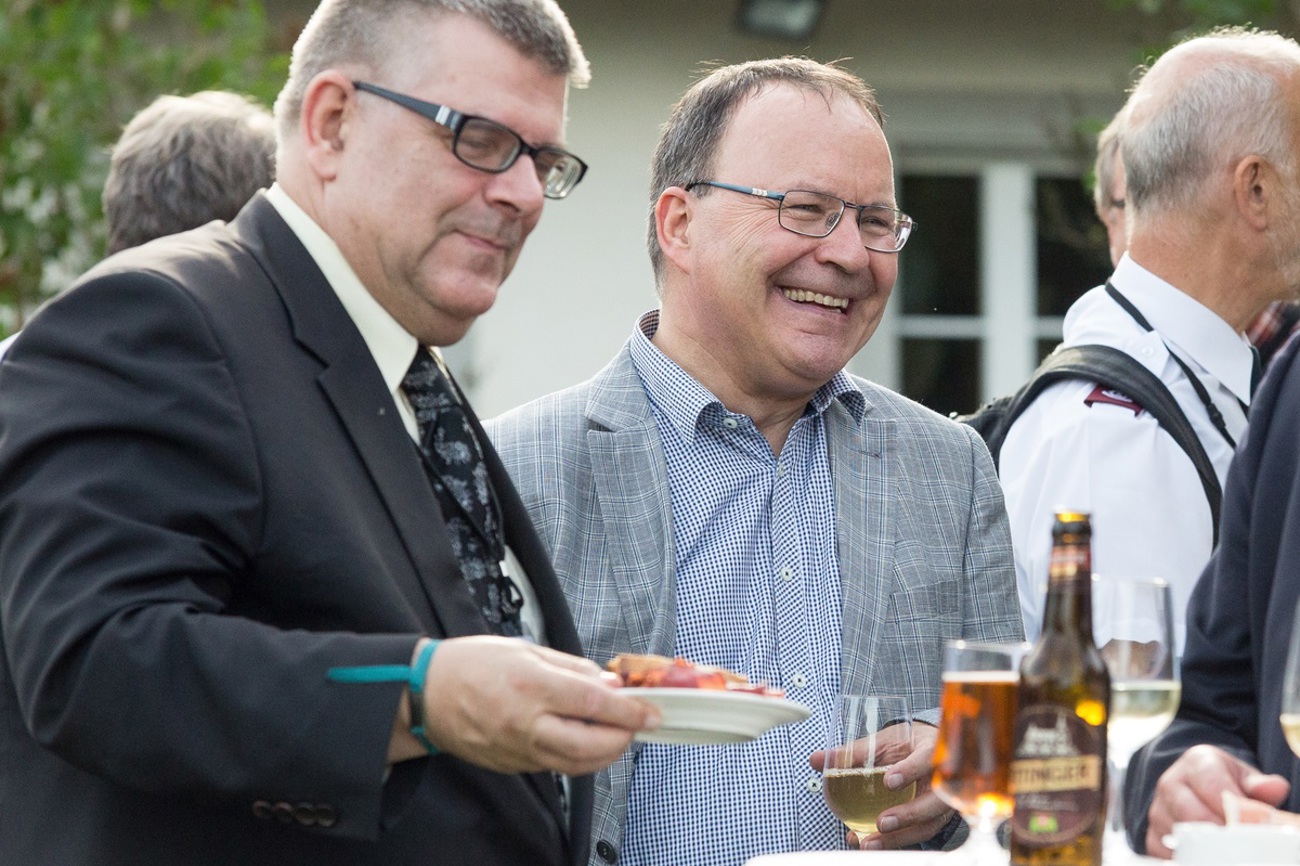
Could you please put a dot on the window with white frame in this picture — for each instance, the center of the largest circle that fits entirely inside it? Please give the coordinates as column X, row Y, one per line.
column 998, row 257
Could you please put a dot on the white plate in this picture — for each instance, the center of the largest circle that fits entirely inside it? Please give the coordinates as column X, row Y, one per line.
column 700, row 717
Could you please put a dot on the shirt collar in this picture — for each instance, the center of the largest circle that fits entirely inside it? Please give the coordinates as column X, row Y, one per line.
column 686, row 403
column 392, row 346
column 1186, row 323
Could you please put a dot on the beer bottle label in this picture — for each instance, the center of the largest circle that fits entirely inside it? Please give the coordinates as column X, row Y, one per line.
column 1056, row 776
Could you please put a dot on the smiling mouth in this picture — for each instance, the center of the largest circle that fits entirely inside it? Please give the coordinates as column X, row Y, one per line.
column 800, row 296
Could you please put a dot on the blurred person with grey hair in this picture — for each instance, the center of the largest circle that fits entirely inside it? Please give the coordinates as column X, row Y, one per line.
column 267, row 595
column 1208, row 142
column 724, row 490
column 1108, row 186
column 183, row 161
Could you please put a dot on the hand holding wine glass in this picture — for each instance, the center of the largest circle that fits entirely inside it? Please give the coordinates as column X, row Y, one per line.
column 870, row 734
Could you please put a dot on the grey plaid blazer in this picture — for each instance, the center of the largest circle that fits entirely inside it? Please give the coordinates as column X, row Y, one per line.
column 924, row 544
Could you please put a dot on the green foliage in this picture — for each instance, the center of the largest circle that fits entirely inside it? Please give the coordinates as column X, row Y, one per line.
column 1174, row 20
column 1206, row 12
column 72, row 73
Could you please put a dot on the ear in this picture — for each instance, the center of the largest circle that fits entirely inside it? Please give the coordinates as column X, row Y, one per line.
column 328, row 108
column 672, row 226
column 1253, row 187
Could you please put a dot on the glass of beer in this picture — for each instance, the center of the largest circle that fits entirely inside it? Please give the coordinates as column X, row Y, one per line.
column 972, row 759
column 871, row 734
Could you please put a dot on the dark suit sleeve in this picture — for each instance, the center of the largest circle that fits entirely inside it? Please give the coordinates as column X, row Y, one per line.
column 1239, row 617
column 131, row 521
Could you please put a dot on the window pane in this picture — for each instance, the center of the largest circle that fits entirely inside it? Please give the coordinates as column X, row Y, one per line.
column 942, row 374
column 1072, row 252
column 941, row 259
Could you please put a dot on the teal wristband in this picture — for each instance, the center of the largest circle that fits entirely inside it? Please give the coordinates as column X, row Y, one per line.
column 415, row 688
column 413, row 676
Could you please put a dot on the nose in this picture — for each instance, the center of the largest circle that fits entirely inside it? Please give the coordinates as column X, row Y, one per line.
column 843, row 247
column 518, row 187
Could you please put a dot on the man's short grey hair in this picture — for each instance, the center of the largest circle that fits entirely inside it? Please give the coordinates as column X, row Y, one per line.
column 184, row 161
column 1103, row 169
column 1215, row 114
column 368, row 34
column 689, row 139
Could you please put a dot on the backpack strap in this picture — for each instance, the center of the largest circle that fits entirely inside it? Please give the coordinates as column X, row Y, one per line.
column 1117, row 371
column 1216, row 417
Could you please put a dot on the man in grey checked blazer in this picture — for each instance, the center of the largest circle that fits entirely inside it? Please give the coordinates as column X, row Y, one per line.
column 765, row 297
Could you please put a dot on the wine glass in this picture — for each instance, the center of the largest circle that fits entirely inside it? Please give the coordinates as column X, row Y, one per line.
column 1290, row 716
column 1133, row 625
column 871, row 734
column 972, row 758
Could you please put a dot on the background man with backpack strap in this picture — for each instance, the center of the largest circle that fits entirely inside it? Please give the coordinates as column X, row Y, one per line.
column 1213, row 213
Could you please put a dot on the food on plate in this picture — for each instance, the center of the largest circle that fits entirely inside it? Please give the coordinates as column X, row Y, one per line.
column 654, row 671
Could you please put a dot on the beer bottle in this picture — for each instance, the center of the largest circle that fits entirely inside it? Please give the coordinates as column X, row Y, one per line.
column 1059, row 765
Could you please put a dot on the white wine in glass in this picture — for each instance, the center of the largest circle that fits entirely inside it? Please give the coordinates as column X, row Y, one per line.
column 1139, row 710
column 1290, row 716
column 871, row 734
column 1133, row 624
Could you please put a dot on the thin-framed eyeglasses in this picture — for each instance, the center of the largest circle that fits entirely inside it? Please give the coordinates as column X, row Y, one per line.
column 816, row 214
column 489, row 146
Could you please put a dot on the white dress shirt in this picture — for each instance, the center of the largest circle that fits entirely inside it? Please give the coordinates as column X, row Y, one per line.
column 1150, row 516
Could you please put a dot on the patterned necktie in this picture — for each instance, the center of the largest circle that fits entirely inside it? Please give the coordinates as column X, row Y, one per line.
column 455, row 465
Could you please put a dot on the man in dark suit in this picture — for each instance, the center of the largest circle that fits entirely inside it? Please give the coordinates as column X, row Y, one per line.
column 260, row 571
column 1227, row 737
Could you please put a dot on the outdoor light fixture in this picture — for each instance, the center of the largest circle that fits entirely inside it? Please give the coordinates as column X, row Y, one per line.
column 781, row 19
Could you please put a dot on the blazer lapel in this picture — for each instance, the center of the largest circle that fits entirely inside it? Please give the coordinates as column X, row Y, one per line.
column 632, row 486
column 863, row 465
column 352, row 383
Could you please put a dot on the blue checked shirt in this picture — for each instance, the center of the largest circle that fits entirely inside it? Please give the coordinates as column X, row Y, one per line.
column 758, row 591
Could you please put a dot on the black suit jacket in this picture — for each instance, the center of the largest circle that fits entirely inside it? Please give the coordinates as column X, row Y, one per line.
column 1240, row 613
column 207, row 500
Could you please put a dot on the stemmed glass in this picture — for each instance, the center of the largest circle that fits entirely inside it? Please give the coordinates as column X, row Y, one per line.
column 1290, row 716
column 871, row 734
column 1133, row 626
column 972, row 759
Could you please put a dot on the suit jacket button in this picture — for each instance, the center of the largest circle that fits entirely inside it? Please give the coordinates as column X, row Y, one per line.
column 262, row 810
column 326, row 815
column 283, row 812
column 607, row 852
column 305, row 814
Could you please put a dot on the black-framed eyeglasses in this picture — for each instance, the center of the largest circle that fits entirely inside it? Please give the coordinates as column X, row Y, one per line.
column 488, row 146
column 816, row 214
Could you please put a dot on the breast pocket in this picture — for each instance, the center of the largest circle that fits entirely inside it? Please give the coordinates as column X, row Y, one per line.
column 921, row 616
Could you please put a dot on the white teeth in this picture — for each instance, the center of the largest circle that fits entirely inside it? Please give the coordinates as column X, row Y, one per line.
column 805, row 297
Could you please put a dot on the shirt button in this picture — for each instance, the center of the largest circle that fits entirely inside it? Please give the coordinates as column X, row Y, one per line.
column 799, row 681
column 814, row 785
column 780, row 470
column 786, row 573
column 730, row 423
